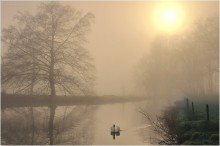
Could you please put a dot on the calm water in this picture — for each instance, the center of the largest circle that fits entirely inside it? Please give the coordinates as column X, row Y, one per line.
column 77, row 124
column 123, row 115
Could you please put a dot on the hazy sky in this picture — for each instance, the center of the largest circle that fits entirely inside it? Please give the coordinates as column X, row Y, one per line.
column 120, row 35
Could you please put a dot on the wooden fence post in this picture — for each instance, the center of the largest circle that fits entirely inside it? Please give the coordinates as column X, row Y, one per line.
column 193, row 111
column 187, row 104
column 187, row 109
column 207, row 111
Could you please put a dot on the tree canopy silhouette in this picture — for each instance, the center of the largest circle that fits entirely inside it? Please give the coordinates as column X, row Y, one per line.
column 46, row 54
column 184, row 64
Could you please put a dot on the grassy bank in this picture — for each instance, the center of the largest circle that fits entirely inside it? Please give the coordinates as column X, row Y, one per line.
column 199, row 120
column 189, row 122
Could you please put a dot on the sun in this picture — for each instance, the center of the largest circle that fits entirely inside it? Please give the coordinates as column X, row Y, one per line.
column 168, row 17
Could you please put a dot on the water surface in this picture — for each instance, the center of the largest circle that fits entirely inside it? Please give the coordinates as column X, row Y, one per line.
column 84, row 124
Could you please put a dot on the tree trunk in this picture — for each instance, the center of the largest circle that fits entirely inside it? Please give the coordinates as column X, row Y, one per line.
column 33, row 74
column 51, row 75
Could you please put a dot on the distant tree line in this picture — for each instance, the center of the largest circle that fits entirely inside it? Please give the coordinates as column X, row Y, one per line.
column 186, row 64
column 46, row 54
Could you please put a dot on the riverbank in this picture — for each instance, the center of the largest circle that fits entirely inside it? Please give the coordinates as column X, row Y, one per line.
column 11, row 100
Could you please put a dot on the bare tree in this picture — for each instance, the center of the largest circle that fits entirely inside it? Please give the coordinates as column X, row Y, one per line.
column 46, row 51
column 167, row 126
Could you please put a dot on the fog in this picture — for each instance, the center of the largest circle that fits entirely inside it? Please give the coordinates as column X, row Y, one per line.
column 110, row 72
column 121, row 34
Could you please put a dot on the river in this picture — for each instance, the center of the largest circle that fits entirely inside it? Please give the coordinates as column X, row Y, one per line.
column 87, row 124
column 123, row 115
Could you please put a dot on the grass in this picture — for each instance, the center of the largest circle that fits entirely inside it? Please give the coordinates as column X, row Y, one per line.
column 197, row 129
column 178, row 124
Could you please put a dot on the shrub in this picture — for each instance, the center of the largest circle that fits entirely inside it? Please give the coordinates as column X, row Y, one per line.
column 187, row 136
column 195, row 135
column 214, row 137
column 189, row 142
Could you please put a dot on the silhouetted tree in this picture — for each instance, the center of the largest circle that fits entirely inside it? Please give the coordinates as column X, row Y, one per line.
column 45, row 51
column 198, row 58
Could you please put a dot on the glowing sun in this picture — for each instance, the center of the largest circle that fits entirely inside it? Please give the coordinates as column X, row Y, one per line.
column 168, row 18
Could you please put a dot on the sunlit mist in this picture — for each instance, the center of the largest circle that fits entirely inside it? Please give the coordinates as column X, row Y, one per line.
column 109, row 72
column 168, row 17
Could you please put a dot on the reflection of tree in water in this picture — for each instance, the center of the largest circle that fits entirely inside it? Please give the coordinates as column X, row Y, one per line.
column 50, row 123
column 53, row 125
column 19, row 126
column 73, row 126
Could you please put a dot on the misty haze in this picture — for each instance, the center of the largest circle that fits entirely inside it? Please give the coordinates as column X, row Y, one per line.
column 109, row 73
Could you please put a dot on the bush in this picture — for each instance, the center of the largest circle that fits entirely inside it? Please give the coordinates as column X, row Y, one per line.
column 214, row 137
column 187, row 136
column 189, row 142
column 175, row 129
column 195, row 135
